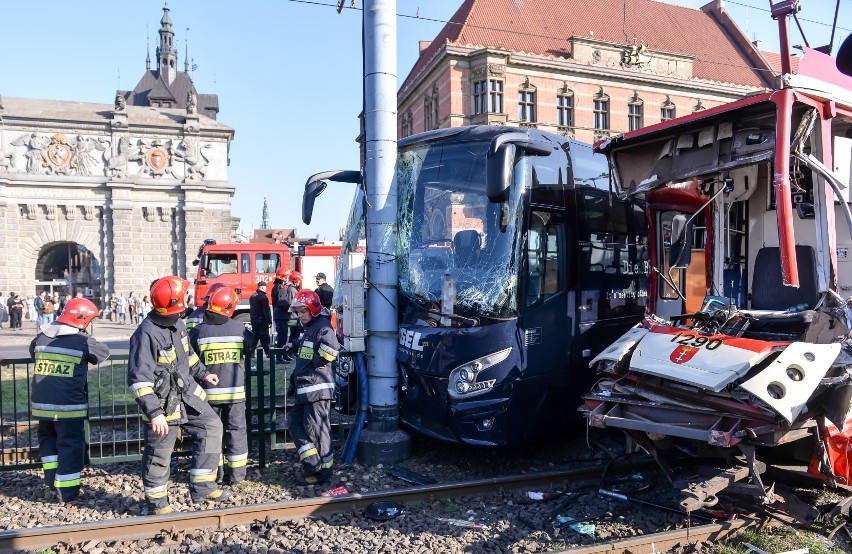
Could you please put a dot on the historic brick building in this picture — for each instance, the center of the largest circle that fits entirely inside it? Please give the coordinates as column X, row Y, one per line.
column 583, row 68
column 103, row 198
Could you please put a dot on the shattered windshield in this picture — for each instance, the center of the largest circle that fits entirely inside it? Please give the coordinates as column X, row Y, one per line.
column 447, row 226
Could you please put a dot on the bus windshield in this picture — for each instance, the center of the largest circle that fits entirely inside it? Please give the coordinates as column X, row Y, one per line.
column 447, row 226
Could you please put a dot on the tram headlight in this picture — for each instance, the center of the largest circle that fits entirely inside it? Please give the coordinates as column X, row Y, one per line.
column 464, row 380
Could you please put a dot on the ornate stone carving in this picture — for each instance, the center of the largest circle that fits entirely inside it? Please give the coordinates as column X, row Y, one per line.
column 192, row 155
column 7, row 161
column 36, row 154
column 156, row 159
column 165, row 214
column 191, row 102
column 149, row 213
column 33, row 211
column 596, row 56
column 87, row 160
column 51, row 212
column 478, row 73
column 634, row 55
column 496, row 70
column 126, row 152
column 120, row 103
column 89, row 213
column 70, row 212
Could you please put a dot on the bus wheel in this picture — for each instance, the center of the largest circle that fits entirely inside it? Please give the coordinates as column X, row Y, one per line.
column 244, row 319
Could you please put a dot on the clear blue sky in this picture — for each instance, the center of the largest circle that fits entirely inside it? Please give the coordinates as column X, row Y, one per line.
column 288, row 75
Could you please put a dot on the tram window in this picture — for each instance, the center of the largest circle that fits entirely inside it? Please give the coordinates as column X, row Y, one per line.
column 544, row 256
column 220, row 264
column 667, row 291
column 266, row 263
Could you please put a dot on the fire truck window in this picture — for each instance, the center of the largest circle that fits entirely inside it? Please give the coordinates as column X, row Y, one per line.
column 220, row 264
column 244, row 262
column 266, row 263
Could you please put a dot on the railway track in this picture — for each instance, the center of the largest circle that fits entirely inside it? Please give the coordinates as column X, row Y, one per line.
column 149, row 527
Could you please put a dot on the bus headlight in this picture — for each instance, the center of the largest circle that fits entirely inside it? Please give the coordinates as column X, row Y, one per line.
column 464, row 380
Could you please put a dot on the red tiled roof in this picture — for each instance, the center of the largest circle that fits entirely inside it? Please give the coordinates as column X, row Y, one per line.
column 774, row 60
column 544, row 27
column 273, row 236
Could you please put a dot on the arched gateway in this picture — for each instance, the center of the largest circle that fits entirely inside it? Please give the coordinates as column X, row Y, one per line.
column 68, row 267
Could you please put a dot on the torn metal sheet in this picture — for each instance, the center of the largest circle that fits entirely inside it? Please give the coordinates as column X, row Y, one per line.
column 792, row 378
column 622, row 346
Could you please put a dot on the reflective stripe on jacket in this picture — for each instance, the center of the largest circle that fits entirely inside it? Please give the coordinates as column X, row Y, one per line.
column 221, row 349
column 315, row 351
column 153, row 350
column 62, row 356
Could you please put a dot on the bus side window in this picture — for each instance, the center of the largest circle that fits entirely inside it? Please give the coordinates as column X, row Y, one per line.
column 545, row 255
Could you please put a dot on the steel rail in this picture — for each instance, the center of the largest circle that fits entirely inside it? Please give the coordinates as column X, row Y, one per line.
column 147, row 527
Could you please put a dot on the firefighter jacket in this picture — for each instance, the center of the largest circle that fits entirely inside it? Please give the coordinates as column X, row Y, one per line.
column 219, row 342
column 62, row 356
column 280, row 301
column 315, row 351
column 195, row 317
column 162, row 370
column 259, row 308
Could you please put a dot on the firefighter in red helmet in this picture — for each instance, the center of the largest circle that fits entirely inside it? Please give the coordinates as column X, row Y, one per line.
column 281, row 311
column 164, row 374
column 219, row 341
column 309, row 419
column 63, row 351
column 197, row 314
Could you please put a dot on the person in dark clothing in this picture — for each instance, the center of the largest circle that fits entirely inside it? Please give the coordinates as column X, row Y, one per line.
column 60, row 402
column 164, row 374
column 219, row 342
column 324, row 290
column 294, row 283
column 261, row 318
column 309, row 422
column 281, row 311
column 16, row 312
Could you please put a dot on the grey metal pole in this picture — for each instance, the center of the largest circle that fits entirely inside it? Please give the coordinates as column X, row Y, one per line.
column 382, row 441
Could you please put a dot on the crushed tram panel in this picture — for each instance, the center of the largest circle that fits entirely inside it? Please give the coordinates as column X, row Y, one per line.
column 746, row 353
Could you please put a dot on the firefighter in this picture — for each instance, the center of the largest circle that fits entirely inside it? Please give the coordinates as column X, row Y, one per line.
column 162, row 372
column 261, row 318
column 219, row 341
column 309, row 418
column 63, row 352
column 294, row 283
column 197, row 314
column 281, row 312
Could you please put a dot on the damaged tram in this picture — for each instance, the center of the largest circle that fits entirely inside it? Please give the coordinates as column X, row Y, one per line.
column 746, row 353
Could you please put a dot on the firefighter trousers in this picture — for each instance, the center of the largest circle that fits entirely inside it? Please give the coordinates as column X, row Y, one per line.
column 62, row 447
column 310, row 428
column 235, row 445
column 205, row 429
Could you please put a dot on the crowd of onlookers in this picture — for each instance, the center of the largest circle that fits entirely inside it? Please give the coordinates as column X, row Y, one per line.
column 44, row 307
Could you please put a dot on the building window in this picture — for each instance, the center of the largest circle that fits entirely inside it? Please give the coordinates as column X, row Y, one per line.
column 565, row 108
column 667, row 110
column 635, row 109
column 407, row 121
column 526, row 105
column 428, row 113
column 488, row 96
column 600, row 107
column 436, row 120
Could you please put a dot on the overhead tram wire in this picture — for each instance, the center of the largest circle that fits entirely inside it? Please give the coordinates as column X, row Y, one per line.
column 419, row 17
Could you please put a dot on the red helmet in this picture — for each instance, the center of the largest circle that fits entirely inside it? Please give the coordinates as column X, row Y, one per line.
column 78, row 312
column 306, row 298
column 223, row 301
column 168, row 295
column 282, row 273
column 213, row 288
column 295, row 278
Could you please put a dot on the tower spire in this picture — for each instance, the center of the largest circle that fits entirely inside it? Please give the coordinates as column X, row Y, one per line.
column 166, row 51
column 186, row 52
column 147, row 48
column 264, row 219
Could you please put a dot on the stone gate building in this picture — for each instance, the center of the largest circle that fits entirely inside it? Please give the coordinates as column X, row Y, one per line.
column 102, row 199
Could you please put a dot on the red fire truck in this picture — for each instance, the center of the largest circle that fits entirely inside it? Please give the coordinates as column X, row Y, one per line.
column 242, row 265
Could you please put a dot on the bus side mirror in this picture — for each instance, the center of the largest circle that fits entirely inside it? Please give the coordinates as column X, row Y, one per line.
column 498, row 172
column 680, row 251
column 312, row 190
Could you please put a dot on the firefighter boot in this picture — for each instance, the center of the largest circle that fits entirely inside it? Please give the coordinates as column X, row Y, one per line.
column 218, row 495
